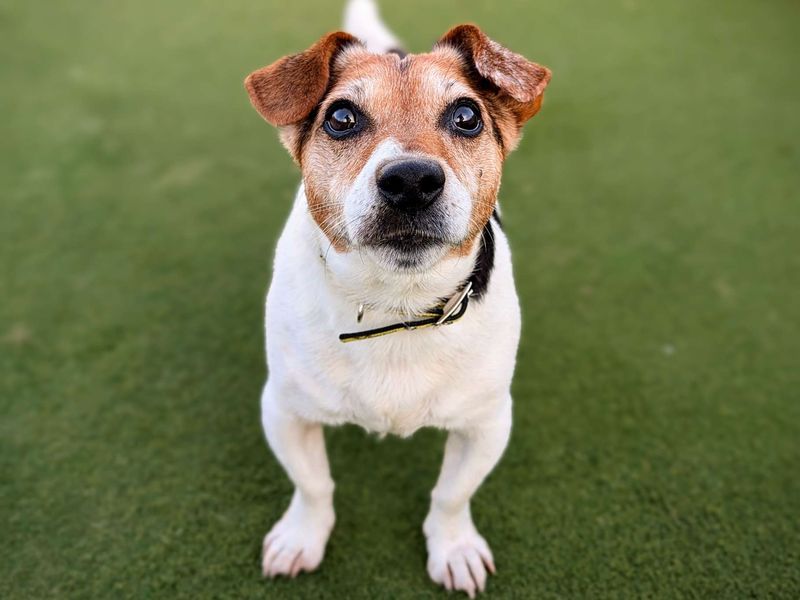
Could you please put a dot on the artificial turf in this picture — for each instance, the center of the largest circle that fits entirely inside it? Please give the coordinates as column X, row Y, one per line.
column 654, row 213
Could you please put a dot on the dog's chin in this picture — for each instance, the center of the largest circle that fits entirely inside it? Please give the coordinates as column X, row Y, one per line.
column 408, row 253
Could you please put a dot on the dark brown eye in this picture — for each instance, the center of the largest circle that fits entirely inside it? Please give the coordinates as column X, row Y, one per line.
column 342, row 120
column 466, row 119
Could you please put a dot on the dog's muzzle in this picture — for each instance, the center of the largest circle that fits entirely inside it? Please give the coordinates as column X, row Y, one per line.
column 410, row 185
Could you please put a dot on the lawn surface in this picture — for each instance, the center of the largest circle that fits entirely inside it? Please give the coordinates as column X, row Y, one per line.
column 654, row 213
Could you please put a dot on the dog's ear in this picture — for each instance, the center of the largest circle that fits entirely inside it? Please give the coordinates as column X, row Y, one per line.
column 514, row 82
column 288, row 90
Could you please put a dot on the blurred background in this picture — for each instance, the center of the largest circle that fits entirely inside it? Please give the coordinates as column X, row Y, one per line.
column 653, row 210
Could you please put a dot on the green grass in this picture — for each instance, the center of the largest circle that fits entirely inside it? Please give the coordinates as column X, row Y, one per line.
column 654, row 212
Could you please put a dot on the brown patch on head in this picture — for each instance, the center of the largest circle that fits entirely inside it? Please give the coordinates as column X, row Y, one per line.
column 408, row 100
column 511, row 82
column 404, row 100
column 286, row 91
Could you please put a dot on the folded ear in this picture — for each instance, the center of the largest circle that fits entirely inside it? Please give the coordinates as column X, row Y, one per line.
column 286, row 92
column 517, row 83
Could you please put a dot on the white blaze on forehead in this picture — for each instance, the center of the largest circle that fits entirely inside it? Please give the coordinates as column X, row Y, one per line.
column 386, row 150
column 363, row 197
column 435, row 81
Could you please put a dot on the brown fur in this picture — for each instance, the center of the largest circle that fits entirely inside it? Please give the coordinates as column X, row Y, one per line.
column 516, row 84
column 286, row 91
column 403, row 99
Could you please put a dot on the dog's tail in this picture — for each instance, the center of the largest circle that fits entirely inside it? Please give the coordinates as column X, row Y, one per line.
column 361, row 19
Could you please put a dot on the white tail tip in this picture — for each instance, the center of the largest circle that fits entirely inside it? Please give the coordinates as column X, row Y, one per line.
column 361, row 19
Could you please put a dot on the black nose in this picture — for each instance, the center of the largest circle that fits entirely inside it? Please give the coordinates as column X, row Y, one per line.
column 411, row 185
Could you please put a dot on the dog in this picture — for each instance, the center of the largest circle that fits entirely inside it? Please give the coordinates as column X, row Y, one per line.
column 392, row 303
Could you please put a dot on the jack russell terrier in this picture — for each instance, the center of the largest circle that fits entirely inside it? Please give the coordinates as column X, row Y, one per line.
column 392, row 303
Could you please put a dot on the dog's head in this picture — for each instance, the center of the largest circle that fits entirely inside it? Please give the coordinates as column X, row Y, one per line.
column 401, row 156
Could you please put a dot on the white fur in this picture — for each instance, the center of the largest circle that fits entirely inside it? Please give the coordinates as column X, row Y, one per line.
column 361, row 19
column 456, row 377
column 362, row 202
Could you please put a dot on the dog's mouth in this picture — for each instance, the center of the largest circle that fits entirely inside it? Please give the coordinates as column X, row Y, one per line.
column 407, row 244
column 406, row 233
column 410, row 240
column 407, row 249
column 407, row 240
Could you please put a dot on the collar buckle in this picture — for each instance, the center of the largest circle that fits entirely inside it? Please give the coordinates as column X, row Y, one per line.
column 454, row 303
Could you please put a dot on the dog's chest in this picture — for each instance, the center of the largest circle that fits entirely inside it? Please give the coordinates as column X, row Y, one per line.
column 398, row 386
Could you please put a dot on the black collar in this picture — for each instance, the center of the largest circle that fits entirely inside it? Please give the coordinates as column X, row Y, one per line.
column 449, row 310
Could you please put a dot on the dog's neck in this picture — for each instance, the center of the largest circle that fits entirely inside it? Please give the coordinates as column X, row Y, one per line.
column 358, row 280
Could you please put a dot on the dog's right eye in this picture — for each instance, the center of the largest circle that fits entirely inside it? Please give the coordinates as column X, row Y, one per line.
column 341, row 120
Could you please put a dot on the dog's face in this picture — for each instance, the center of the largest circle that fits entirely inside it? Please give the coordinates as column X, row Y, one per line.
column 401, row 157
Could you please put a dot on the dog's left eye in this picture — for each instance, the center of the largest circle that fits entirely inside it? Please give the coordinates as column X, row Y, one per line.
column 466, row 119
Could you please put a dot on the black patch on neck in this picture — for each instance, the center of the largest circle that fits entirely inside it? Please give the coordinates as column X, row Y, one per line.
column 399, row 51
column 484, row 262
column 496, row 217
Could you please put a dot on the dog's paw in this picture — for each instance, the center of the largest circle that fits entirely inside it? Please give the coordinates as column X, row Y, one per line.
column 460, row 562
column 297, row 542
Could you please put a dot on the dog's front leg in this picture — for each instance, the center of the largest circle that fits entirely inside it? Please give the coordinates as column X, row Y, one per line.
column 297, row 541
column 458, row 556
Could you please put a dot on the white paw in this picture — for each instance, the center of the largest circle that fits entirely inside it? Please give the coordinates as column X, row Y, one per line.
column 297, row 542
column 460, row 562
